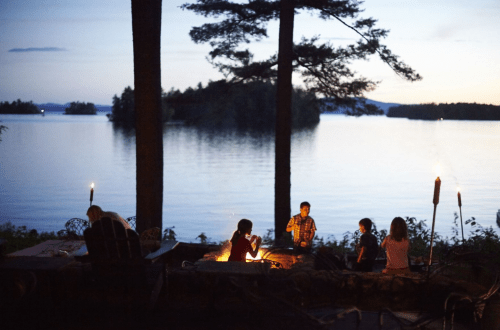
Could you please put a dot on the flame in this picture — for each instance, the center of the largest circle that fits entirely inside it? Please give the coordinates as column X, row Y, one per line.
column 226, row 251
column 438, row 170
column 92, row 185
column 257, row 257
column 458, row 189
column 223, row 257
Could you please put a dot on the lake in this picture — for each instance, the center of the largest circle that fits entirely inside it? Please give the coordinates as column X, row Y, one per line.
column 347, row 168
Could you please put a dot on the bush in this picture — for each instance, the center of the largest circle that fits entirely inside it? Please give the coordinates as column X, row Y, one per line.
column 19, row 238
column 483, row 241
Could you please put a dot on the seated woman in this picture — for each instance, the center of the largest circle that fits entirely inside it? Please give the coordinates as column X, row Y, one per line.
column 95, row 213
column 398, row 246
column 240, row 246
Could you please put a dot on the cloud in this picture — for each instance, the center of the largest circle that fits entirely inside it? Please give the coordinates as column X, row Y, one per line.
column 43, row 49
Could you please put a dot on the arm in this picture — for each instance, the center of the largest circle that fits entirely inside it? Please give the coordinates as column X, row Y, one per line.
column 384, row 242
column 311, row 236
column 254, row 253
column 289, row 227
column 361, row 253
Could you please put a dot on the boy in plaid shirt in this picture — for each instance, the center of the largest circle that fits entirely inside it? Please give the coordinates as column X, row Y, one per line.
column 303, row 227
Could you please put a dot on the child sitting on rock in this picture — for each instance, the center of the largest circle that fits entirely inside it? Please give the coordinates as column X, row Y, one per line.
column 397, row 245
column 367, row 247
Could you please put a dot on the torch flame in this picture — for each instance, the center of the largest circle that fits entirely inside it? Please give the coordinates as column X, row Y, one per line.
column 458, row 189
column 438, row 170
column 92, row 185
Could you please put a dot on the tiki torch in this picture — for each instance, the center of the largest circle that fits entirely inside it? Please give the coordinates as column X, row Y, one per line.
column 460, row 207
column 91, row 193
column 437, row 187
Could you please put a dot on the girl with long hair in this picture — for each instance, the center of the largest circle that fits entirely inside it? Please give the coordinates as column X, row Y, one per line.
column 397, row 246
column 240, row 246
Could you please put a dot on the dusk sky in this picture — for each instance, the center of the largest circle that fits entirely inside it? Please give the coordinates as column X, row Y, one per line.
column 62, row 50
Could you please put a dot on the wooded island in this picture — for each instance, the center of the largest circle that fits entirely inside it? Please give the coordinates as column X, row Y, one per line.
column 432, row 111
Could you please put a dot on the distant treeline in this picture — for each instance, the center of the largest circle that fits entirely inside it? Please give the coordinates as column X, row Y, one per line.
column 123, row 110
column 18, row 107
column 432, row 111
column 81, row 108
column 220, row 104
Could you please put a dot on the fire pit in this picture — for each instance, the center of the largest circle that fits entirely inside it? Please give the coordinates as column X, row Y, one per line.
column 277, row 258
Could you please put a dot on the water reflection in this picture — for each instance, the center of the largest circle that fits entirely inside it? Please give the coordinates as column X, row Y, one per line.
column 213, row 137
column 124, row 134
column 347, row 168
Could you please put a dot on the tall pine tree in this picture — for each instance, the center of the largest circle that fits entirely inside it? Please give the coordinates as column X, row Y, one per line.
column 324, row 68
column 146, row 31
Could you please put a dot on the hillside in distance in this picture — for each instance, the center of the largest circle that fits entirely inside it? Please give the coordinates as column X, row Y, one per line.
column 56, row 107
column 382, row 105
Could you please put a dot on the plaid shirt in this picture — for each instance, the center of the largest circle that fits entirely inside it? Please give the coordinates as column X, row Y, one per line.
column 302, row 229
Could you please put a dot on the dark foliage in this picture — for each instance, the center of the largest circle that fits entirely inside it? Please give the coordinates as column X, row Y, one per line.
column 479, row 241
column 432, row 111
column 250, row 105
column 123, row 107
column 19, row 238
column 123, row 110
column 81, row 108
column 18, row 107
column 324, row 67
column 169, row 234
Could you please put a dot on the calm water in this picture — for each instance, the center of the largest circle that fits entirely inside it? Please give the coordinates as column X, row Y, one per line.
column 347, row 168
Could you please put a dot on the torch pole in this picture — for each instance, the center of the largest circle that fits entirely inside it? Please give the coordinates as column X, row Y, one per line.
column 460, row 207
column 435, row 201
column 432, row 240
column 462, row 224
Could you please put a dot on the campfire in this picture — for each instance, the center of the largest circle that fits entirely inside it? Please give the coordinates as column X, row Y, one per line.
column 277, row 258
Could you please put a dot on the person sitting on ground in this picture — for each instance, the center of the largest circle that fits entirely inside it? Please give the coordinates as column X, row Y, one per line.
column 367, row 247
column 303, row 227
column 240, row 245
column 397, row 245
column 95, row 213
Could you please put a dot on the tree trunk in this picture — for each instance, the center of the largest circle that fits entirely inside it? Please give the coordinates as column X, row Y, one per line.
column 146, row 29
column 283, row 120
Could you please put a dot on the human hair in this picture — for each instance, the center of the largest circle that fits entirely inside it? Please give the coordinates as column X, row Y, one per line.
column 399, row 229
column 304, row 204
column 367, row 223
column 94, row 213
column 244, row 225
